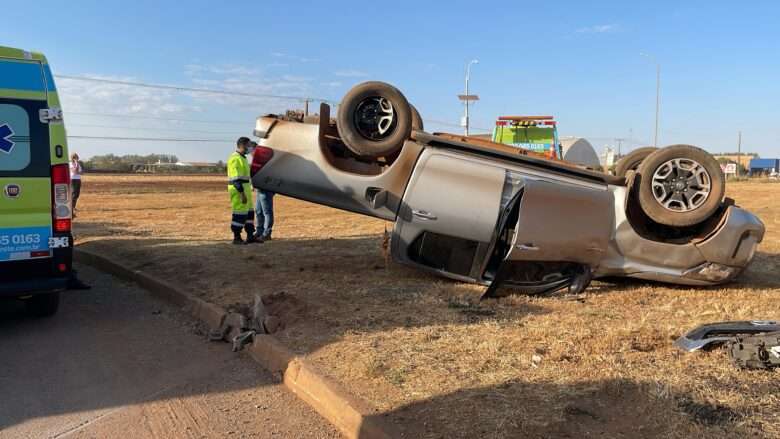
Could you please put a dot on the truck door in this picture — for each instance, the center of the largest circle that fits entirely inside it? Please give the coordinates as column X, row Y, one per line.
column 448, row 213
column 550, row 235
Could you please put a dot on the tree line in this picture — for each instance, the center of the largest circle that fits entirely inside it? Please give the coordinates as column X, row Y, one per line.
column 158, row 163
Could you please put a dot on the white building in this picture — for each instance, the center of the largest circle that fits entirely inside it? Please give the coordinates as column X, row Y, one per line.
column 580, row 151
column 608, row 157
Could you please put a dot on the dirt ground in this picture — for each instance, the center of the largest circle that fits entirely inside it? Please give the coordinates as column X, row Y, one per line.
column 426, row 352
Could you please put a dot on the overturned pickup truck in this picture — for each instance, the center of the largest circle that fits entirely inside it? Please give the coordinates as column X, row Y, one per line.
column 488, row 213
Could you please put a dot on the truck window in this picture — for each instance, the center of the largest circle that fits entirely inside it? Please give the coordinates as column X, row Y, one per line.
column 14, row 138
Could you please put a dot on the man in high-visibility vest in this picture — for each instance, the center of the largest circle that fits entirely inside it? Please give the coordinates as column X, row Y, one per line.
column 240, row 190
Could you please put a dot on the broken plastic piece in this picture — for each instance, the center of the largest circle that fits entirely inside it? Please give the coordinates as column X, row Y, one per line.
column 242, row 340
column 717, row 333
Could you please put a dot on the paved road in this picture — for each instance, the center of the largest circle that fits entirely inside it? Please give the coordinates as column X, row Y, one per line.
column 115, row 362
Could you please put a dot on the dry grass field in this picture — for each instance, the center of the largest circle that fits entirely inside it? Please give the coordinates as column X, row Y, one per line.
column 426, row 352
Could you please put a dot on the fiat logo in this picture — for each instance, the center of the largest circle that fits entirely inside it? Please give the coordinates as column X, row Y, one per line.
column 12, row 190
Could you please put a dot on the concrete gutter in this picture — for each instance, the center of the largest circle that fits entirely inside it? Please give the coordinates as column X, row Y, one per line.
column 353, row 416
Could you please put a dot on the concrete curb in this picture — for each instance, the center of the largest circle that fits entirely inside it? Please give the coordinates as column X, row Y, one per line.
column 210, row 314
column 349, row 413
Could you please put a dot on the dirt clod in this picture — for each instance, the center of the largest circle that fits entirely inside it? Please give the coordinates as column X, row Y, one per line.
column 272, row 324
column 573, row 410
column 706, row 413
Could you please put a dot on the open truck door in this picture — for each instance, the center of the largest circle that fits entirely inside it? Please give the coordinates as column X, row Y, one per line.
column 548, row 239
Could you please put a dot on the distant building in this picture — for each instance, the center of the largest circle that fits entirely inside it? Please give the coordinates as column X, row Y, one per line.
column 743, row 159
column 580, row 151
column 197, row 164
column 608, row 157
column 153, row 168
column 764, row 166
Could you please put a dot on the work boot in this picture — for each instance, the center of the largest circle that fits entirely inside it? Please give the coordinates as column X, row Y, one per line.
column 254, row 239
column 237, row 239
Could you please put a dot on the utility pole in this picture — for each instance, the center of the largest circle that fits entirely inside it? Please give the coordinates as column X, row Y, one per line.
column 619, row 144
column 467, row 97
column 306, row 107
column 739, row 152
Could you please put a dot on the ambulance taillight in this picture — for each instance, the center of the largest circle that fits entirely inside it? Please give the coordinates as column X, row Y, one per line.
column 60, row 196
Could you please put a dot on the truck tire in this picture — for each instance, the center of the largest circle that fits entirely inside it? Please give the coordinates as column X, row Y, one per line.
column 43, row 305
column 632, row 160
column 374, row 119
column 417, row 122
column 680, row 185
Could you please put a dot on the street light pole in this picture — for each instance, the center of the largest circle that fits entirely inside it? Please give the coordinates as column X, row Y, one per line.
column 739, row 153
column 657, row 99
column 468, row 76
column 619, row 142
column 657, row 94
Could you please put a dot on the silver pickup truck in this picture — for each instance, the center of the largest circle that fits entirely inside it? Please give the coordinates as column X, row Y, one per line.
column 492, row 214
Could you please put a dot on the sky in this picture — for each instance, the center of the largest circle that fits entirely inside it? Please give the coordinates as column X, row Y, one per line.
column 581, row 62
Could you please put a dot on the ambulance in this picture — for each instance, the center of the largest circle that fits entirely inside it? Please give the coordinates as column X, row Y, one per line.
column 35, row 203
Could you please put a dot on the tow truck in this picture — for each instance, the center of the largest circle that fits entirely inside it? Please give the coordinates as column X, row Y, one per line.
column 536, row 134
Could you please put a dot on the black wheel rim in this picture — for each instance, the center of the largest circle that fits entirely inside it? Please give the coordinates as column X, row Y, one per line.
column 375, row 118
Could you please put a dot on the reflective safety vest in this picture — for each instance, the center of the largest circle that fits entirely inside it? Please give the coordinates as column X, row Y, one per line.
column 237, row 170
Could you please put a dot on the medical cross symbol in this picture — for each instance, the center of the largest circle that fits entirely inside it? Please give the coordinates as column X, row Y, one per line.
column 6, row 145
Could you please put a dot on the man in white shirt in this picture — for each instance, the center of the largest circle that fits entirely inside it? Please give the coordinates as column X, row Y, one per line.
column 75, row 179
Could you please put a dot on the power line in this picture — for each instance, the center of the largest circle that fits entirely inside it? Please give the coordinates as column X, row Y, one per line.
column 149, row 129
column 204, row 90
column 149, row 139
column 219, row 122
column 138, row 116
column 454, row 125
column 190, row 89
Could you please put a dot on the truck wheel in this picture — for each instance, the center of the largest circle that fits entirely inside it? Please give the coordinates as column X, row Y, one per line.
column 632, row 160
column 680, row 185
column 374, row 119
column 43, row 305
column 417, row 122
